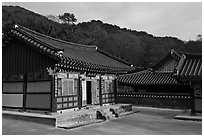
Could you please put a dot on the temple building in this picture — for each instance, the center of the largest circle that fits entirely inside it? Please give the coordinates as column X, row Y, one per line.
column 41, row 73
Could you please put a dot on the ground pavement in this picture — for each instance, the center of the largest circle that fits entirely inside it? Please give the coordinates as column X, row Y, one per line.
column 148, row 121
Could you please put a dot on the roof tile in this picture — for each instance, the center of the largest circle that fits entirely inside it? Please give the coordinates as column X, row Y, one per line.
column 76, row 52
column 148, row 78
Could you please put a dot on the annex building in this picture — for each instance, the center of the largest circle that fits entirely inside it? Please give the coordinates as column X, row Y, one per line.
column 175, row 82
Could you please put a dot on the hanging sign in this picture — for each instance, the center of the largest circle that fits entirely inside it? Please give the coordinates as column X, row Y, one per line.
column 61, row 75
column 73, row 76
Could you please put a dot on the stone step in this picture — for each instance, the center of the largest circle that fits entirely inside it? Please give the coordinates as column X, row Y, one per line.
column 111, row 116
column 76, row 118
column 125, row 113
column 66, row 126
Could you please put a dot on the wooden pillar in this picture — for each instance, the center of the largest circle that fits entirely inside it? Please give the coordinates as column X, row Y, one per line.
column 79, row 93
column 115, row 90
column 192, row 102
column 24, row 91
column 100, row 92
column 53, row 99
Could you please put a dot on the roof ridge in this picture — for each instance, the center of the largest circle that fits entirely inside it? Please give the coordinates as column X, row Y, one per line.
column 172, row 51
column 139, row 72
column 160, row 72
column 191, row 54
column 35, row 39
column 55, row 39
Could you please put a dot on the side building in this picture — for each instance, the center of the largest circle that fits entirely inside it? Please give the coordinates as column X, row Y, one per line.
column 175, row 82
column 41, row 73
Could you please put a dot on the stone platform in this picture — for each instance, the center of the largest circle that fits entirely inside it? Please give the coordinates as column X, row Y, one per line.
column 187, row 116
column 70, row 119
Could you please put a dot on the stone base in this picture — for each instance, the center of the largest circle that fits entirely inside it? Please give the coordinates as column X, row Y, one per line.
column 70, row 119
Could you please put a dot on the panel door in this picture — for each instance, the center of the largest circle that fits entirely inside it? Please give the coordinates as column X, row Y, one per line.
column 95, row 92
column 84, row 98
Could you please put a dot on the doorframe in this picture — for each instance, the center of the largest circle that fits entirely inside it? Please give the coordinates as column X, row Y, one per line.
column 88, row 91
column 100, row 89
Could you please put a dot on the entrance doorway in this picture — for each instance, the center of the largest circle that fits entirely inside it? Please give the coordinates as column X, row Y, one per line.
column 88, row 91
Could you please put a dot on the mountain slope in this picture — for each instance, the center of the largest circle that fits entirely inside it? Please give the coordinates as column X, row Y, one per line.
column 139, row 48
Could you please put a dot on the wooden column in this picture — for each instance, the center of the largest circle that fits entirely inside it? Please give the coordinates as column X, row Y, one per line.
column 79, row 93
column 24, row 91
column 115, row 90
column 53, row 99
column 100, row 92
column 192, row 102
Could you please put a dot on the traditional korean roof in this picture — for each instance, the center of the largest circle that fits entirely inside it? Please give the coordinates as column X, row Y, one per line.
column 171, row 55
column 189, row 67
column 71, row 55
column 147, row 78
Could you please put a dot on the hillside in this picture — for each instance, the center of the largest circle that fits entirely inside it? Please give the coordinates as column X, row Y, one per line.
column 139, row 48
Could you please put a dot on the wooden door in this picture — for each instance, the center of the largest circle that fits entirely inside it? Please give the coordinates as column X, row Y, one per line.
column 95, row 92
column 84, row 96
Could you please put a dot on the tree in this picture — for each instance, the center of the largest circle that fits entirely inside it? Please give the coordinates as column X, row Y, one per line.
column 72, row 18
column 199, row 37
column 68, row 18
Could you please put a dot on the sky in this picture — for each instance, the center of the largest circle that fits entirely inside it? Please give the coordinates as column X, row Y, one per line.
column 177, row 19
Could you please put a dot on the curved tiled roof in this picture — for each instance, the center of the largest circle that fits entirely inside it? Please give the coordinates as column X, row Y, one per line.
column 189, row 67
column 72, row 55
column 148, row 78
column 172, row 54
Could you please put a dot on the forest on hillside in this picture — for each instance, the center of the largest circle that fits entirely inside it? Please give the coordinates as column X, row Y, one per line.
column 137, row 47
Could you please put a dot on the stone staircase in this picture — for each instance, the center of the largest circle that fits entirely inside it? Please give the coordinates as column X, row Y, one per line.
column 121, row 110
column 105, row 114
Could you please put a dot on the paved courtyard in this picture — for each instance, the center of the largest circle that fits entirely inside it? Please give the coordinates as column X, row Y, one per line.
column 145, row 122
